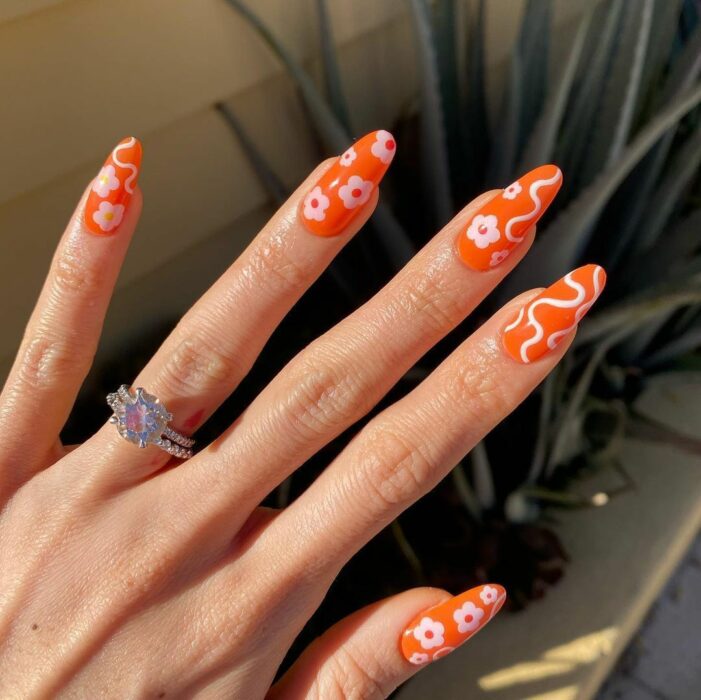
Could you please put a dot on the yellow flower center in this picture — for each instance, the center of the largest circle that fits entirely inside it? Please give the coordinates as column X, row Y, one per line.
column 109, row 215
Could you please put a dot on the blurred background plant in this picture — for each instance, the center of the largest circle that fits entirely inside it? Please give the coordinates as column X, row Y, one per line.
column 620, row 115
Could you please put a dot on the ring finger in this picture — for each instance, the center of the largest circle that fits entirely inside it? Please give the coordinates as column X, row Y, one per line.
column 213, row 347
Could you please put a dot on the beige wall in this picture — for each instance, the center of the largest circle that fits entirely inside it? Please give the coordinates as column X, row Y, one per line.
column 87, row 72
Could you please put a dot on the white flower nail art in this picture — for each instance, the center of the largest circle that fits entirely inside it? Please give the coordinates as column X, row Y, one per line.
column 315, row 205
column 348, row 157
column 512, row 191
column 484, row 230
column 429, row 633
column 498, row 257
column 489, row 595
column 417, row 658
column 355, row 192
column 468, row 617
column 384, row 147
column 108, row 215
column 106, row 181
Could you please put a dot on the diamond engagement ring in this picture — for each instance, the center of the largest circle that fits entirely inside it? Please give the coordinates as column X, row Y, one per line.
column 142, row 419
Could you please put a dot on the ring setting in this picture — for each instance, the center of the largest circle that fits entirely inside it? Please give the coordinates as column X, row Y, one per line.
column 143, row 420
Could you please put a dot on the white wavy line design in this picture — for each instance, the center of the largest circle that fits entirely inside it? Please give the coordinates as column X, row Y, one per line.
column 555, row 338
column 127, row 166
column 557, row 303
column 533, row 193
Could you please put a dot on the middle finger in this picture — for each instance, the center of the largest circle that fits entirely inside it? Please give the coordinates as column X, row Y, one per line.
column 339, row 377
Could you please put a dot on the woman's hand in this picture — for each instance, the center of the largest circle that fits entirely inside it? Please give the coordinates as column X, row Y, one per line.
column 121, row 578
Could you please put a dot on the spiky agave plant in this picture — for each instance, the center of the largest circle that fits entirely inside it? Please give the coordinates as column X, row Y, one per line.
column 621, row 118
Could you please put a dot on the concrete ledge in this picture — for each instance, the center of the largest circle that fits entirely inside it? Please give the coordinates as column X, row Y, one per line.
column 562, row 648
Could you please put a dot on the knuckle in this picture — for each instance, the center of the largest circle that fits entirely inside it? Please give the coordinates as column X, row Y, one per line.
column 270, row 262
column 393, row 469
column 197, row 365
column 72, row 276
column 478, row 388
column 323, row 397
column 436, row 305
column 46, row 360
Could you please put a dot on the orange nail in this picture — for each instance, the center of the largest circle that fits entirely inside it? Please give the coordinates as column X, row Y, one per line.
column 348, row 184
column 113, row 187
column 542, row 323
column 437, row 631
column 501, row 224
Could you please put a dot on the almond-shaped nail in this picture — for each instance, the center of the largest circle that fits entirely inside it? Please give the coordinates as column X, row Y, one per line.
column 501, row 224
column 545, row 320
column 342, row 190
column 438, row 630
column 113, row 188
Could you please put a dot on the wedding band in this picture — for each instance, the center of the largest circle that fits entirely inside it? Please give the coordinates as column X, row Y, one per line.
column 142, row 419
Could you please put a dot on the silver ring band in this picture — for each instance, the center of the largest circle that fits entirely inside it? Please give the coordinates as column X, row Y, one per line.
column 143, row 420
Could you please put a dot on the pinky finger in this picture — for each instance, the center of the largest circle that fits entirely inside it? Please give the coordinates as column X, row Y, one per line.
column 371, row 652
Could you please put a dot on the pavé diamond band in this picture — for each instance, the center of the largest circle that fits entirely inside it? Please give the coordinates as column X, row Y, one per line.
column 142, row 419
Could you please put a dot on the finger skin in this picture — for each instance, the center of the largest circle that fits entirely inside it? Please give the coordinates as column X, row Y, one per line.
column 214, row 345
column 338, row 378
column 407, row 449
column 373, row 651
column 59, row 342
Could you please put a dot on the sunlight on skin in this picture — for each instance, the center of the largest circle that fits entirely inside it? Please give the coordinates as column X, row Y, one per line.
column 554, row 662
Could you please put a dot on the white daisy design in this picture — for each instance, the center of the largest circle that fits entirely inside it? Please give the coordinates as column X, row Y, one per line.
column 489, row 595
column 484, row 230
column 384, row 147
column 315, row 205
column 418, row 658
column 468, row 617
column 355, row 192
column 108, row 215
column 512, row 191
column 106, row 181
column 429, row 633
column 348, row 157
column 498, row 257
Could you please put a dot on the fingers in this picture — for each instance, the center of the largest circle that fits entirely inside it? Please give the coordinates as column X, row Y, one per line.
column 63, row 331
column 371, row 652
column 338, row 378
column 403, row 453
column 216, row 342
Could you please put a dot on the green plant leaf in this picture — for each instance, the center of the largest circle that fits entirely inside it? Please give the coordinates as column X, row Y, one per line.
column 683, row 74
column 691, row 340
column 505, row 148
column 680, row 171
column 335, row 138
column 615, row 116
column 444, row 22
column 541, row 145
column 482, row 476
column 332, row 73
column 533, row 46
column 475, row 132
column 576, row 133
column 435, row 166
column 573, row 227
column 638, row 311
column 665, row 21
column 270, row 181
